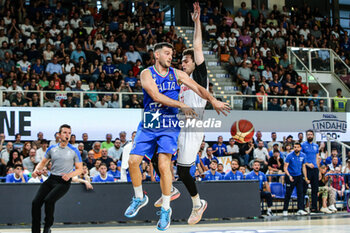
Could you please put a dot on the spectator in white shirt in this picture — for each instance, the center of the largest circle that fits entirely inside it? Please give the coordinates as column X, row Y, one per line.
column 27, row 28
column 262, row 155
column 74, row 22
column 72, row 78
column 239, row 19
column 103, row 103
column 40, row 153
column 133, row 55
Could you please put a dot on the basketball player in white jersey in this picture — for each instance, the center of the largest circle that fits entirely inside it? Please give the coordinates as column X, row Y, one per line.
column 190, row 139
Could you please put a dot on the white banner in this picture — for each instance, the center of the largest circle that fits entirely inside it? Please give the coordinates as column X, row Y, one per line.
column 98, row 122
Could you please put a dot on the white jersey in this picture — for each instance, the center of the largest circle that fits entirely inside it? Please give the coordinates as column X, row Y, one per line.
column 190, row 140
column 189, row 97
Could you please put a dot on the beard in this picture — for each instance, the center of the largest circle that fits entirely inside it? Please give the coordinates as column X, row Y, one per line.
column 310, row 139
column 164, row 64
column 234, row 169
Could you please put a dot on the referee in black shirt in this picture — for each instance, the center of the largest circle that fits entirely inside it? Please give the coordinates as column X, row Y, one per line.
column 63, row 157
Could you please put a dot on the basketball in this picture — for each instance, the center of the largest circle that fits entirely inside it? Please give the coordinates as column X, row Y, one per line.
column 242, row 131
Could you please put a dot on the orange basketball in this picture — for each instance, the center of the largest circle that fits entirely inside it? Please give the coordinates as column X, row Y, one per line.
column 242, row 131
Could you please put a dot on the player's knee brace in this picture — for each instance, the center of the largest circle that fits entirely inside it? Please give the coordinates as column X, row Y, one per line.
column 184, row 172
column 187, row 179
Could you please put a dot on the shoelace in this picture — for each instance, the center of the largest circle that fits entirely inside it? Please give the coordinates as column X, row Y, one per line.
column 135, row 202
column 163, row 217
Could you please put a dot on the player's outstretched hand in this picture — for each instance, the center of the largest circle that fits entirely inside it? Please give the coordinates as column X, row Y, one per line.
column 222, row 107
column 196, row 12
column 189, row 112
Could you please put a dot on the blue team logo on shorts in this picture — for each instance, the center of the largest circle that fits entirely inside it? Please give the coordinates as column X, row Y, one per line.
column 151, row 120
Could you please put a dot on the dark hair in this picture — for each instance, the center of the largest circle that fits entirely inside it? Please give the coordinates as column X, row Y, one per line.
column 117, row 139
column 163, row 44
column 18, row 165
column 214, row 161
column 276, row 151
column 310, row 131
column 103, row 164
column 63, row 126
column 235, row 160
column 256, row 161
column 44, row 141
column 339, row 89
column 297, row 143
column 189, row 52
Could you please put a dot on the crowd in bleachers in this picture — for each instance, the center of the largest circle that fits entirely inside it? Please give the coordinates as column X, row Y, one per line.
column 53, row 47
column 253, row 42
column 103, row 162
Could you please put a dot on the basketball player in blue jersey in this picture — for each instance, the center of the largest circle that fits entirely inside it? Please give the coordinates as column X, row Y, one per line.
column 189, row 141
column 161, row 87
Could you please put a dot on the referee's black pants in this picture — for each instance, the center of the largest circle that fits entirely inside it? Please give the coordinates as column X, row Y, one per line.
column 313, row 176
column 49, row 192
column 298, row 182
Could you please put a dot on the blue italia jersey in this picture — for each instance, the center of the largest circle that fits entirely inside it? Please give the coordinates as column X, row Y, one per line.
column 99, row 179
column 210, row 176
column 310, row 150
column 261, row 177
column 10, row 178
column 194, row 166
column 295, row 163
column 168, row 86
column 234, row 176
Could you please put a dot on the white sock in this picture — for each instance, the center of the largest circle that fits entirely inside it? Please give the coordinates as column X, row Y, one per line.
column 269, row 209
column 138, row 192
column 196, row 202
column 166, row 202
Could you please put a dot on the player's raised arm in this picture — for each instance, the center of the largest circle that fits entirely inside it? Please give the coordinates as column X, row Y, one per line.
column 152, row 90
column 202, row 92
column 197, row 39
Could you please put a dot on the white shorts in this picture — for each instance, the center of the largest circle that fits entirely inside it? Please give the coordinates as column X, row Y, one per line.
column 189, row 144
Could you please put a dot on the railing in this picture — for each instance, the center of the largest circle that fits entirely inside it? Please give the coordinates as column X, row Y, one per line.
column 130, row 100
column 343, row 148
column 303, row 59
column 320, row 60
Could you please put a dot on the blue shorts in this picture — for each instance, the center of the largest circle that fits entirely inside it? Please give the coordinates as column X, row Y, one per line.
column 146, row 141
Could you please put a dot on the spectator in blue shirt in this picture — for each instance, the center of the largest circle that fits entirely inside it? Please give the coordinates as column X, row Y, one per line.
column 38, row 68
column 124, row 66
column 76, row 54
column 113, row 171
column 334, row 153
column 207, row 160
column 312, row 160
column 234, row 174
column 109, row 69
column 195, row 166
column 294, row 166
column 256, row 174
column 212, row 174
column 53, row 67
column 220, row 169
column 17, row 176
column 103, row 176
column 219, row 149
column 131, row 79
column 133, row 55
